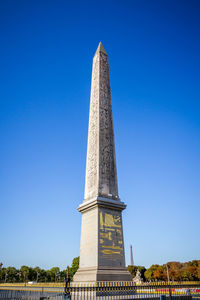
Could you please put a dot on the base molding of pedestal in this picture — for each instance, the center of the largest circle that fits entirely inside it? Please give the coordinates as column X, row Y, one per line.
column 102, row 274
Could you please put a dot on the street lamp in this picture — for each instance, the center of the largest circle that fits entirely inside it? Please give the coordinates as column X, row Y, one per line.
column 167, row 272
column 37, row 276
column 170, row 292
column 67, row 283
column 24, row 278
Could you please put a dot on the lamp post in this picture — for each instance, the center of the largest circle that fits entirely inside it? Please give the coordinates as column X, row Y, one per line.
column 67, row 283
column 24, row 278
column 167, row 272
column 37, row 276
column 6, row 276
column 170, row 292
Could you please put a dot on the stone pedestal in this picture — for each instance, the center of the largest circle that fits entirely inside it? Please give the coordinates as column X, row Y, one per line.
column 102, row 255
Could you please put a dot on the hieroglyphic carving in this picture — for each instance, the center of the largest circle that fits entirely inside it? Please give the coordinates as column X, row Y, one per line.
column 107, row 164
column 111, row 249
column 101, row 174
column 91, row 182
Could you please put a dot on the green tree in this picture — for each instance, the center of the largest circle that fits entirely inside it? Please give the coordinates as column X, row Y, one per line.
column 142, row 271
column 150, row 272
column 3, row 275
column 11, row 274
column 54, row 273
column 132, row 270
column 42, row 275
column 198, row 269
column 63, row 275
column 74, row 267
column 24, row 271
column 37, row 273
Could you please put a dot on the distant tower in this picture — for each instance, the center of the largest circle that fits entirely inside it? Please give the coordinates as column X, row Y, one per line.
column 102, row 255
column 131, row 256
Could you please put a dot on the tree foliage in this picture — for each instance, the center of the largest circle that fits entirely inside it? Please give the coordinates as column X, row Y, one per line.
column 149, row 274
column 25, row 273
column 74, row 267
column 188, row 271
column 133, row 270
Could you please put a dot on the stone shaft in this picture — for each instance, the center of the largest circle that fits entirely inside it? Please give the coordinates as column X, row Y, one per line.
column 101, row 173
column 102, row 245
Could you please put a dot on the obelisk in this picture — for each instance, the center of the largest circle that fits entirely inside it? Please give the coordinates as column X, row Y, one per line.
column 131, row 255
column 102, row 246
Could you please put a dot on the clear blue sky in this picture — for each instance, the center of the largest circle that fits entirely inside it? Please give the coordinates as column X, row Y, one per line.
column 46, row 51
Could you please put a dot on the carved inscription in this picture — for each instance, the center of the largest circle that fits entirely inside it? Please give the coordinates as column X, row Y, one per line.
column 110, row 238
column 91, row 183
column 107, row 164
column 101, row 173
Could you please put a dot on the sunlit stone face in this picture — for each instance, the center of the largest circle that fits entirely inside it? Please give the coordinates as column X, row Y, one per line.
column 101, row 171
column 89, row 239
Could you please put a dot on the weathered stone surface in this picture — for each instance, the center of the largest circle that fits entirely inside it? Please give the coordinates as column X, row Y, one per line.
column 89, row 239
column 102, row 246
column 101, row 173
